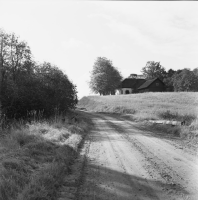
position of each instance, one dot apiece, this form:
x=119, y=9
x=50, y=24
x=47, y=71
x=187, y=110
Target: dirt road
x=124, y=162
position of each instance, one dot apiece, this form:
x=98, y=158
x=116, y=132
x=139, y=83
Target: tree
x=153, y=70
x=170, y=72
x=28, y=86
x=195, y=71
x=105, y=78
x=1, y=66
x=56, y=90
x=168, y=81
x=186, y=80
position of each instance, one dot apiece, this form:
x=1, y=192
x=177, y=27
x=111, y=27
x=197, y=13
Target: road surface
x=127, y=163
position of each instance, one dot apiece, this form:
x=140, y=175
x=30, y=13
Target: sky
x=72, y=34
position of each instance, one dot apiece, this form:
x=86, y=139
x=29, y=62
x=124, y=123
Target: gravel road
x=124, y=162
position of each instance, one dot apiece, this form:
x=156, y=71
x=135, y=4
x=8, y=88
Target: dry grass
x=178, y=106
x=36, y=158
x=145, y=105
x=190, y=132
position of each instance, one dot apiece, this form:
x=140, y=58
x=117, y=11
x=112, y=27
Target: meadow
x=36, y=157
x=179, y=106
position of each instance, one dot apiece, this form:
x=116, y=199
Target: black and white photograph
x=98, y=100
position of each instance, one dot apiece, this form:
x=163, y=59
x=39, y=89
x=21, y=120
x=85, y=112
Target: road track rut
x=124, y=162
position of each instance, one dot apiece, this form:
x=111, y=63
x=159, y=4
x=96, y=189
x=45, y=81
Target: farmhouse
x=136, y=84
x=154, y=85
x=129, y=86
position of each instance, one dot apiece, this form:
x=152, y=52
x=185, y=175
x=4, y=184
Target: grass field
x=145, y=105
x=178, y=106
x=36, y=157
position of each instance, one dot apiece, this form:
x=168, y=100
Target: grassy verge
x=184, y=132
x=35, y=158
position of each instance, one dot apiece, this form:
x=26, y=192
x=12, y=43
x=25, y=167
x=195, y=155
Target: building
x=130, y=85
x=154, y=85
x=134, y=84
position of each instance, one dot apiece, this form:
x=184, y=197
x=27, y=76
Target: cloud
x=101, y=16
x=172, y=41
x=112, y=48
x=133, y=32
x=159, y=27
x=73, y=43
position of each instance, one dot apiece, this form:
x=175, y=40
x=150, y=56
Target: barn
x=130, y=85
x=153, y=85
x=138, y=85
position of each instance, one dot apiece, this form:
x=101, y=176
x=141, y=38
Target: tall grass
x=35, y=158
x=146, y=105
x=179, y=106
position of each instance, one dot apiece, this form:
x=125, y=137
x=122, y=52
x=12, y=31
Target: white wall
x=123, y=91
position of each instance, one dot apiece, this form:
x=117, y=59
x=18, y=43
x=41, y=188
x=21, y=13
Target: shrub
x=168, y=115
x=33, y=87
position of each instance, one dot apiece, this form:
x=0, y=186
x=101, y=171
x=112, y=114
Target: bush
x=168, y=115
x=28, y=86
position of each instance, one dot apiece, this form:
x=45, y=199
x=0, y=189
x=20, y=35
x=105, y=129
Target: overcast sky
x=72, y=35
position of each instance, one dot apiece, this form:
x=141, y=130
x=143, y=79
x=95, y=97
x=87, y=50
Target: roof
x=148, y=83
x=131, y=83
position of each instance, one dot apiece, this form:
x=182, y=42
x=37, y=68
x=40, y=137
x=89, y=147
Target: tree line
x=105, y=78
x=175, y=80
x=27, y=86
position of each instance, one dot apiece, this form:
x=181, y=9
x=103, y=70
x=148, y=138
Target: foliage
x=28, y=86
x=186, y=80
x=153, y=70
x=168, y=80
x=104, y=77
x=169, y=115
x=195, y=71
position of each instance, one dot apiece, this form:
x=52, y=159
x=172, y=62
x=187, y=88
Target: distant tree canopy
x=27, y=86
x=168, y=80
x=104, y=77
x=195, y=71
x=153, y=70
x=186, y=80
x=179, y=80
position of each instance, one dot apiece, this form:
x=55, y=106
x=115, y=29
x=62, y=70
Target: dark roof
x=148, y=83
x=131, y=83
